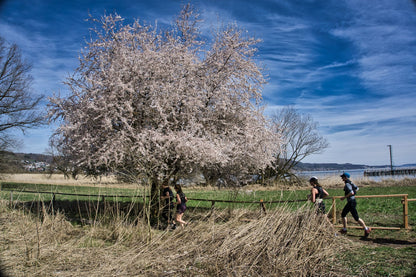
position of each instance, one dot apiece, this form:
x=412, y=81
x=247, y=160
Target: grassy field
x=386, y=211
x=384, y=253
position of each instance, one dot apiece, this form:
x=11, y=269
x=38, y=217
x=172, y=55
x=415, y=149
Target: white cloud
x=369, y=43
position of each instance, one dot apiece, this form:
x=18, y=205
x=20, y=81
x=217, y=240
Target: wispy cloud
x=351, y=64
x=362, y=90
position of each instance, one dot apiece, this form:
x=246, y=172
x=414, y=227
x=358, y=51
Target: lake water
x=355, y=174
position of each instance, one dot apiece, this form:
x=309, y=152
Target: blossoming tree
x=158, y=103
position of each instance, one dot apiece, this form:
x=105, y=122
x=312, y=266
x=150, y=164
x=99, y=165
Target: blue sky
x=350, y=64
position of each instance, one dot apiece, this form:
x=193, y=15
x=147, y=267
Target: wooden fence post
x=334, y=211
x=405, y=212
x=53, y=201
x=262, y=206
x=212, y=206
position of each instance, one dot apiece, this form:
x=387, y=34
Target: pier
x=390, y=172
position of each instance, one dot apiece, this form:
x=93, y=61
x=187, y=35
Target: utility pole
x=391, y=160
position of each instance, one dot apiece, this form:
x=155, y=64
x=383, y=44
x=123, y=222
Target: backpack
x=320, y=192
x=354, y=188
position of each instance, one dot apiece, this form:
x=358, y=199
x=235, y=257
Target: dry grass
x=389, y=182
x=230, y=243
x=112, y=182
x=335, y=182
x=60, y=179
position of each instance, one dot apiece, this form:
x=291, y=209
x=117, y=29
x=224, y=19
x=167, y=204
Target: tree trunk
x=154, y=202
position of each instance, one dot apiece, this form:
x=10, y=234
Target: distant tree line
x=14, y=162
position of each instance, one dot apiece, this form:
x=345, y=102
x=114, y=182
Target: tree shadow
x=83, y=212
x=391, y=241
x=383, y=241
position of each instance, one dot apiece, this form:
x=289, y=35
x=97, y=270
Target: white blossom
x=165, y=100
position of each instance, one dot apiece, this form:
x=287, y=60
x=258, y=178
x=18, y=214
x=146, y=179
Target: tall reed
x=237, y=243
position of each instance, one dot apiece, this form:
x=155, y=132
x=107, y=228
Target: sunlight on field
x=59, y=179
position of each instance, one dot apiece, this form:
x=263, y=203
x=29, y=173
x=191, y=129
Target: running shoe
x=367, y=232
x=343, y=231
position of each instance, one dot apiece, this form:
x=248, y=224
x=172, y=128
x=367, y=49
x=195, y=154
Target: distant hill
x=301, y=166
x=18, y=162
x=31, y=157
x=409, y=165
x=346, y=166
x=329, y=166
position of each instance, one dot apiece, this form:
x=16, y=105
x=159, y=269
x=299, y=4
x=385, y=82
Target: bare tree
x=156, y=103
x=300, y=139
x=17, y=104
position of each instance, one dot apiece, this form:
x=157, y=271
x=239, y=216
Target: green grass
x=385, y=253
x=386, y=212
x=377, y=211
x=252, y=198
x=379, y=261
x=46, y=191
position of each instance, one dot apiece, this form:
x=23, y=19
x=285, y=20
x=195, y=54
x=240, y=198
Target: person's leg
x=179, y=219
x=362, y=223
x=183, y=212
x=354, y=214
x=359, y=220
x=344, y=223
x=170, y=215
x=344, y=213
x=165, y=215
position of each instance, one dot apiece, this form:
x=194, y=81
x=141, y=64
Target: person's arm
x=178, y=199
x=166, y=195
x=325, y=193
x=313, y=194
x=351, y=192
